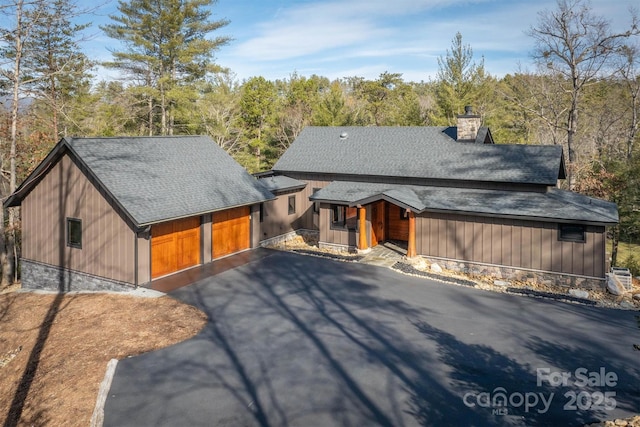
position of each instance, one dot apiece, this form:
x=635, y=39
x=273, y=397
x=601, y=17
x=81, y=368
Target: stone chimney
x=468, y=125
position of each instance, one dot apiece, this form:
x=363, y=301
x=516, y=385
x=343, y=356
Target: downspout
x=135, y=260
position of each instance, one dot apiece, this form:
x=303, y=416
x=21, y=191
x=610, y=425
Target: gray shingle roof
x=281, y=183
x=160, y=178
x=555, y=204
x=417, y=152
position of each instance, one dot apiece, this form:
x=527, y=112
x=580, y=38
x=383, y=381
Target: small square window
x=572, y=233
x=292, y=205
x=74, y=233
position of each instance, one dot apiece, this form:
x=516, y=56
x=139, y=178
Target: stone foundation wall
x=35, y=275
x=338, y=248
x=309, y=237
x=511, y=273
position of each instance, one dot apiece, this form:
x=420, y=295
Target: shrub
x=633, y=265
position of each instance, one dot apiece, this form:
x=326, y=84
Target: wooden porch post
x=362, y=219
x=411, y=245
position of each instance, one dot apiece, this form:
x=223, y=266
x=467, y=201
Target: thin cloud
x=307, y=29
x=307, y=38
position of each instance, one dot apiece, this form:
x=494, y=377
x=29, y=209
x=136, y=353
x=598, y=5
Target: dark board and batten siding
x=509, y=242
x=334, y=236
x=276, y=219
x=108, y=243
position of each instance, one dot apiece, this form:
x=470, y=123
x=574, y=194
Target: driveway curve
x=296, y=340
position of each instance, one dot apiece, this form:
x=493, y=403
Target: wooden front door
x=175, y=245
x=377, y=223
x=231, y=231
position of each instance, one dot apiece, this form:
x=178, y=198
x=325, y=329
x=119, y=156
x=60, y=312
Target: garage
x=175, y=245
x=231, y=231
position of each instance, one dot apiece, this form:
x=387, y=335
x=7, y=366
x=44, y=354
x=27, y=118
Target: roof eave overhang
x=285, y=189
x=387, y=198
x=63, y=147
x=15, y=199
x=146, y=224
x=607, y=223
x=364, y=177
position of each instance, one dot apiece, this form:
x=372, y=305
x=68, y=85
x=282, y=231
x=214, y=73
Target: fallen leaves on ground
x=54, y=348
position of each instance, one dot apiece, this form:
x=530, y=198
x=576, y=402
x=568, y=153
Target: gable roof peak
x=156, y=178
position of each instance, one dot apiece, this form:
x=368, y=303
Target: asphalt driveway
x=297, y=340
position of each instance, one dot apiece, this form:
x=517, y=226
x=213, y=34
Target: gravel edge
x=550, y=295
x=409, y=269
x=349, y=258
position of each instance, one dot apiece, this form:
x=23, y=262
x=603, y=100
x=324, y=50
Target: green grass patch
x=625, y=250
x=628, y=256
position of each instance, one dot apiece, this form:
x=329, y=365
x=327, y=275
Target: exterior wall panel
x=144, y=259
x=398, y=228
x=107, y=241
x=255, y=226
x=514, y=243
x=276, y=218
x=331, y=235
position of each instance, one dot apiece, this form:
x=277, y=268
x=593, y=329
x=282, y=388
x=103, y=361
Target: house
x=450, y=193
x=100, y=213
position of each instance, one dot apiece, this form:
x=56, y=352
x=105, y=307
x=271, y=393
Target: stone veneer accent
x=512, y=273
x=35, y=275
x=309, y=236
x=336, y=247
x=468, y=125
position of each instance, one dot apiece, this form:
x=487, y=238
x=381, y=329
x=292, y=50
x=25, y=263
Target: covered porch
x=383, y=221
x=361, y=217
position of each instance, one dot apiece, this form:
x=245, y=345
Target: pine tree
x=459, y=81
x=58, y=69
x=165, y=48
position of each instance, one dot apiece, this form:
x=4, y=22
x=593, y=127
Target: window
x=344, y=217
x=572, y=233
x=338, y=214
x=261, y=212
x=74, y=233
x=316, y=205
x=292, y=205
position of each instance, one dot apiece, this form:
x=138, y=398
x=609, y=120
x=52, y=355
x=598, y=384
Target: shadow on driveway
x=294, y=340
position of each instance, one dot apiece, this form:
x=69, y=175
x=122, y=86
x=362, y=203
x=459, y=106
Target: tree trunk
x=7, y=251
x=615, y=239
x=163, y=103
x=4, y=262
x=572, y=127
x=163, y=112
x=633, y=128
x=54, y=110
x=150, y=105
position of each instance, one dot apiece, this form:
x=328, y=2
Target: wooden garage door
x=175, y=245
x=231, y=231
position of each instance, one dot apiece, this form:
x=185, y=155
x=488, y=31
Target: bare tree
x=25, y=15
x=630, y=73
x=579, y=46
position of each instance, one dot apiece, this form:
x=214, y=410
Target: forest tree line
x=583, y=94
